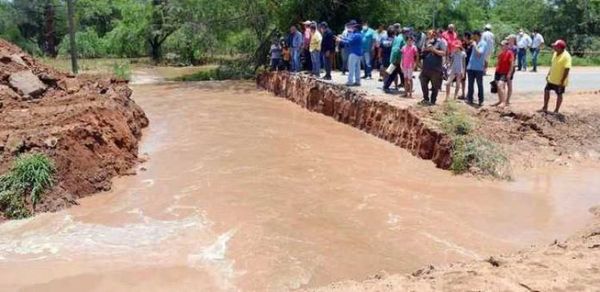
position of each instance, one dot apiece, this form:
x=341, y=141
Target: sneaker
x=356, y=84
x=349, y=84
x=327, y=78
x=369, y=77
x=364, y=77
x=424, y=102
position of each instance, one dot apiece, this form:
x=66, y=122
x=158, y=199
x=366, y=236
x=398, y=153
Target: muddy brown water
x=247, y=192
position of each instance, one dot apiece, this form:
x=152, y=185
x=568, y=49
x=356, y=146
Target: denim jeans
x=522, y=59
x=535, y=52
x=345, y=56
x=295, y=60
x=435, y=78
x=315, y=57
x=366, y=59
x=353, y=69
x=473, y=76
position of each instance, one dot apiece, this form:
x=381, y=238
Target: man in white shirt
x=523, y=43
x=488, y=37
x=537, y=43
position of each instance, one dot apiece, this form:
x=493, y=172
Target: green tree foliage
x=190, y=31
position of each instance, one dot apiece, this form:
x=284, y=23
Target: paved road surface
x=582, y=79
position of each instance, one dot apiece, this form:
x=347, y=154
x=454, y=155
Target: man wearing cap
x=296, y=43
x=537, y=44
x=315, y=50
x=488, y=37
x=327, y=48
x=523, y=44
x=353, y=43
x=558, y=76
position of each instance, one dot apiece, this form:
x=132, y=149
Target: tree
x=73, y=44
x=165, y=19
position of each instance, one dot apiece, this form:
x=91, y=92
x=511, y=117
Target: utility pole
x=73, y=44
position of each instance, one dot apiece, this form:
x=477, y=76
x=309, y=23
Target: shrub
x=30, y=174
x=231, y=71
x=471, y=153
x=122, y=70
x=479, y=156
x=89, y=45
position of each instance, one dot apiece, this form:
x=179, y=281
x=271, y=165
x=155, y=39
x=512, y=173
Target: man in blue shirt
x=296, y=43
x=353, y=43
x=476, y=68
x=368, y=46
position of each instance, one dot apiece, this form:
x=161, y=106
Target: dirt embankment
x=401, y=126
x=89, y=126
x=572, y=265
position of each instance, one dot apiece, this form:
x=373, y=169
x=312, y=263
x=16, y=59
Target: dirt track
x=89, y=126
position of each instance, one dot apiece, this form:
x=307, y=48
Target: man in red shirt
x=451, y=37
x=504, y=68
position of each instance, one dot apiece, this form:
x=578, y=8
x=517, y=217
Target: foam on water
x=68, y=237
x=214, y=256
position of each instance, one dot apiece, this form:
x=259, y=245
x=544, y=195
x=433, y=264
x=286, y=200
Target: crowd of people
x=397, y=52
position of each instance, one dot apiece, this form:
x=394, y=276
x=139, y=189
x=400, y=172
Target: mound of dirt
x=88, y=125
x=537, y=139
x=571, y=265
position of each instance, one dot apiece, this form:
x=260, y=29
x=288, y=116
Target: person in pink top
x=410, y=58
x=451, y=37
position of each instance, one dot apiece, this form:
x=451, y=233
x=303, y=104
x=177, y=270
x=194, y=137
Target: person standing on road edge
x=344, y=51
x=353, y=43
x=307, y=64
x=476, y=68
x=433, y=65
x=296, y=44
x=523, y=43
x=395, y=59
x=368, y=46
x=276, y=54
x=504, y=68
x=315, y=50
x=558, y=76
x=410, y=58
x=512, y=45
x=386, y=51
x=327, y=48
x=458, y=69
x=468, y=49
x=537, y=44
x=490, y=42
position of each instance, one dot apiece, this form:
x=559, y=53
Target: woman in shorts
x=458, y=65
x=410, y=58
x=512, y=45
x=504, y=70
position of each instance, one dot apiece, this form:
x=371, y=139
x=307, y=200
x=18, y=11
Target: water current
x=247, y=192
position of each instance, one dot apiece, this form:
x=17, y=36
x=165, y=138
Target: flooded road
x=246, y=192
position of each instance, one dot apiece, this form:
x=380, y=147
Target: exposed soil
x=88, y=125
x=572, y=265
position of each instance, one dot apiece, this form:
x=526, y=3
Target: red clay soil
x=89, y=126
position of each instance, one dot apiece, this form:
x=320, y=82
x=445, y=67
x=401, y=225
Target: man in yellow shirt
x=558, y=76
x=315, y=50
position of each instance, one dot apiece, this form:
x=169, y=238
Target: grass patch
x=28, y=178
x=470, y=152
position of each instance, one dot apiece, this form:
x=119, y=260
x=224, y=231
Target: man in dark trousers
x=433, y=59
x=327, y=48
